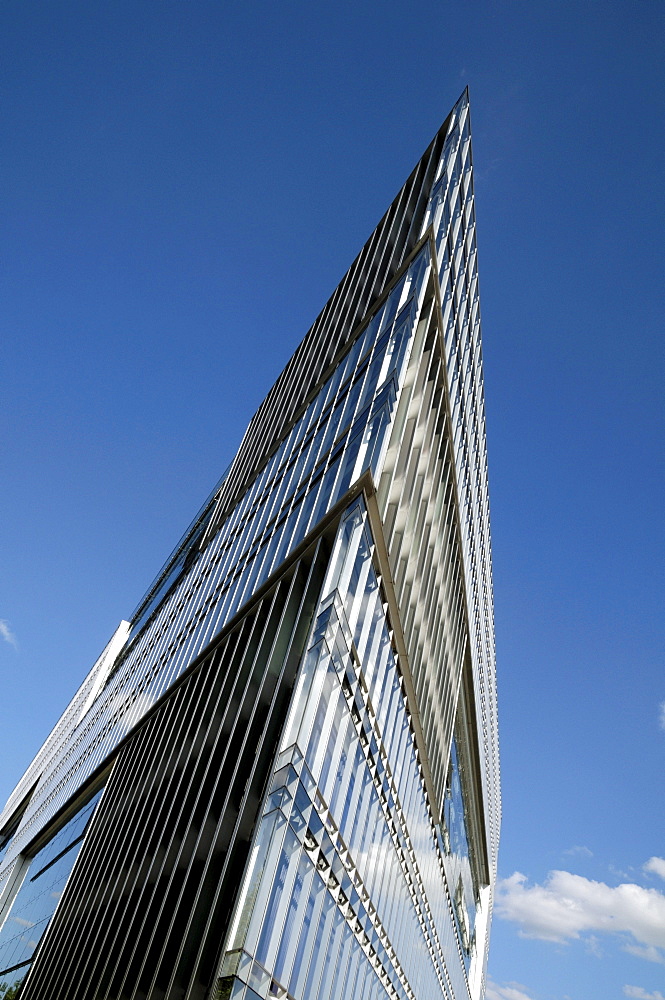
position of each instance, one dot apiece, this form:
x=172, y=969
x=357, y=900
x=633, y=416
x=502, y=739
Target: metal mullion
x=209, y=600
x=213, y=556
x=429, y=459
x=183, y=722
x=313, y=569
x=361, y=274
x=224, y=657
x=161, y=615
x=249, y=452
x=31, y=962
x=214, y=595
x=332, y=316
x=418, y=458
x=325, y=339
x=191, y=644
x=291, y=586
x=421, y=196
x=141, y=686
x=351, y=291
x=386, y=261
x=183, y=793
x=230, y=559
x=246, y=628
x=327, y=937
x=206, y=608
x=275, y=601
x=279, y=401
x=96, y=867
x=157, y=658
x=257, y=565
x=94, y=876
x=50, y=745
x=227, y=536
x=431, y=582
x=416, y=201
x=447, y=412
x=224, y=602
x=357, y=298
x=438, y=620
x=439, y=648
x=399, y=482
x=192, y=612
x=223, y=540
x=403, y=459
x=410, y=486
x=146, y=653
x=425, y=596
x=164, y=646
x=423, y=191
x=340, y=303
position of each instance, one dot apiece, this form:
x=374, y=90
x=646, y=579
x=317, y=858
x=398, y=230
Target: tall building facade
x=280, y=779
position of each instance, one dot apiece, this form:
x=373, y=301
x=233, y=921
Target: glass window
x=457, y=846
x=6, y=839
x=35, y=902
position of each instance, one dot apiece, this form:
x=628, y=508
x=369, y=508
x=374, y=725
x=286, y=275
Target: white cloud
x=655, y=865
x=509, y=991
x=639, y=994
x=648, y=952
x=568, y=906
x=6, y=633
x=579, y=850
x=593, y=946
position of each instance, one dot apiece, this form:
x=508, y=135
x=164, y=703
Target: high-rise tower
x=280, y=779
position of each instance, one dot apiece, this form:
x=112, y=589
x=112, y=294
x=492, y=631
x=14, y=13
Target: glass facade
x=43, y=878
x=457, y=854
x=345, y=891
x=451, y=213
x=340, y=434
x=364, y=824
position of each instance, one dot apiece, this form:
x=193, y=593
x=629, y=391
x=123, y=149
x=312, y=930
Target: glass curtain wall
x=43, y=880
x=451, y=213
x=358, y=884
x=342, y=432
x=345, y=893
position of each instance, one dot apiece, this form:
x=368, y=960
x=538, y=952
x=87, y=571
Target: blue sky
x=183, y=186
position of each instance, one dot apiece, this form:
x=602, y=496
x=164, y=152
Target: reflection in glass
x=349, y=897
x=38, y=897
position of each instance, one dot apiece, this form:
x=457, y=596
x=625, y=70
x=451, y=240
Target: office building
x=280, y=778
